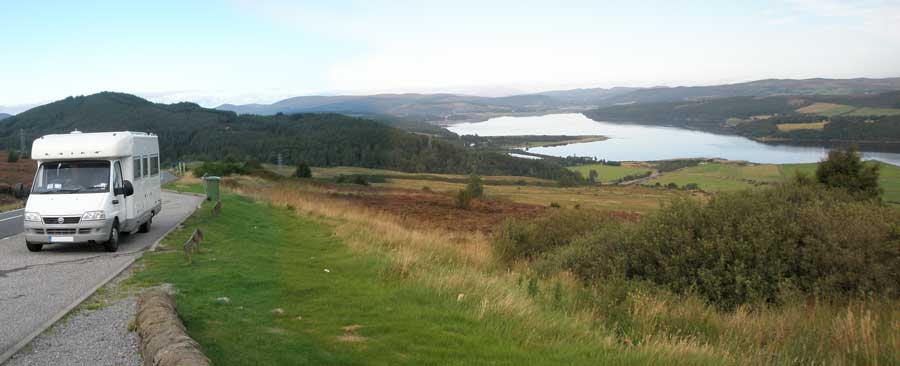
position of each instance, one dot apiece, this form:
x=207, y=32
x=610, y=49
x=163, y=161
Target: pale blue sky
x=213, y=52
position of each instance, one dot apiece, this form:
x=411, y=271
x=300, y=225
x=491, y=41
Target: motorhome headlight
x=93, y=216
x=32, y=216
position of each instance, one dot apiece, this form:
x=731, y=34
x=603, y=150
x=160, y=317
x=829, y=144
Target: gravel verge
x=98, y=332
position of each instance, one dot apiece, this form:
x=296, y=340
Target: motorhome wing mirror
x=20, y=191
x=128, y=189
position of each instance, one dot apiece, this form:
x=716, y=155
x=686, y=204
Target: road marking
x=10, y=218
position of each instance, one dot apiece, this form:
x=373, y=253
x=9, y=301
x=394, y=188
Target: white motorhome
x=89, y=187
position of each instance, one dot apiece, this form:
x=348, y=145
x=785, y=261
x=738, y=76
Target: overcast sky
x=214, y=52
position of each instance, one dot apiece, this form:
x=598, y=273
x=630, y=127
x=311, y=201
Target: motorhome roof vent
x=75, y=132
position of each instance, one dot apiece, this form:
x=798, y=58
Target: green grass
x=609, y=173
x=263, y=257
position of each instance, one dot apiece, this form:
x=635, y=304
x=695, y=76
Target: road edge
x=46, y=325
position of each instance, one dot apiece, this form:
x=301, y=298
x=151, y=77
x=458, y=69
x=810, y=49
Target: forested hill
x=4, y=116
x=189, y=132
x=812, y=118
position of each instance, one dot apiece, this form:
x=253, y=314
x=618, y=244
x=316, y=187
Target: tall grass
x=654, y=324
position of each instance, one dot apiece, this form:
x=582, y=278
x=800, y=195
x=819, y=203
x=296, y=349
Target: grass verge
x=310, y=290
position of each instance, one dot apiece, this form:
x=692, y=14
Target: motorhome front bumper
x=80, y=232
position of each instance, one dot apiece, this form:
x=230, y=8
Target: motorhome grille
x=66, y=220
x=60, y=231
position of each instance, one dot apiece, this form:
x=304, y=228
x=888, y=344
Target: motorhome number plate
x=61, y=239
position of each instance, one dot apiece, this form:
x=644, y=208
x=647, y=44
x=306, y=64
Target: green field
x=609, y=173
x=867, y=111
x=719, y=177
x=341, y=307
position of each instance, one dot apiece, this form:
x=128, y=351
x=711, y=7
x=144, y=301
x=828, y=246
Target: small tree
x=12, y=157
x=303, y=171
x=592, y=176
x=475, y=186
x=844, y=169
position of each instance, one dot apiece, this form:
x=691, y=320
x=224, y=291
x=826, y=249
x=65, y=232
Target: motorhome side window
x=146, y=166
x=137, y=167
x=72, y=177
x=117, y=174
x=154, y=165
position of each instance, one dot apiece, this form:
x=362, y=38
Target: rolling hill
x=416, y=108
x=759, y=88
x=4, y=116
x=189, y=132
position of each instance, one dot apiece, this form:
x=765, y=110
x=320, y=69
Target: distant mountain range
x=452, y=107
x=4, y=116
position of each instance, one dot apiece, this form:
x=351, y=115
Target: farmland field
x=867, y=111
x=787, y=127
x=609, y=173
x=716, y=177
x=826, y=109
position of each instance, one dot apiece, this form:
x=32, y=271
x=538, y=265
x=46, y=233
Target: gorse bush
x=744, y=247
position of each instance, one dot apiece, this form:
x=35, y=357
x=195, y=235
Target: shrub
x=12, y=157
x=691, y=186
x=463, y=199
x=516, y=239
x=844, y=169
x=475, y=186
x=592, y=176
x=352, y=179
x=751, y=246
x=303, y=171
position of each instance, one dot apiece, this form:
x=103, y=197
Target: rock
x=327, y=270
x=278, y=311
x=223, y=300
x=460, y=297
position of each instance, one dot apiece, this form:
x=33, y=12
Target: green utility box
x=211, y=187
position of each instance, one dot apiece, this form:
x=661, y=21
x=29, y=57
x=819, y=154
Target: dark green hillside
x=870, y=118
x=189, y=132
x=4, y=116
x=708, y=115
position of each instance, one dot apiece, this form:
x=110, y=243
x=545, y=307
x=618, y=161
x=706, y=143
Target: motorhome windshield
x=72, y=177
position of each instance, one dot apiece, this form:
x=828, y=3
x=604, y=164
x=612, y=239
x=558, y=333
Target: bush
x=844, y=169
x=12, y=156
x=475, y=186
x=303, y=171
x=463, y=199
x=691, y=186
x=516, y=239
x=352, y=179
x=747, y=247
x=221, y=169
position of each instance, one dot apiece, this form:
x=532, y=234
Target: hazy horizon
x=239, y=52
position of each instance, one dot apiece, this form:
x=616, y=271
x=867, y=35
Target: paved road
x=11, y=222
x=36, y=287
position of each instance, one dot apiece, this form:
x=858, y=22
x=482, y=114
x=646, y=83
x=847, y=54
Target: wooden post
x=216, y=208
